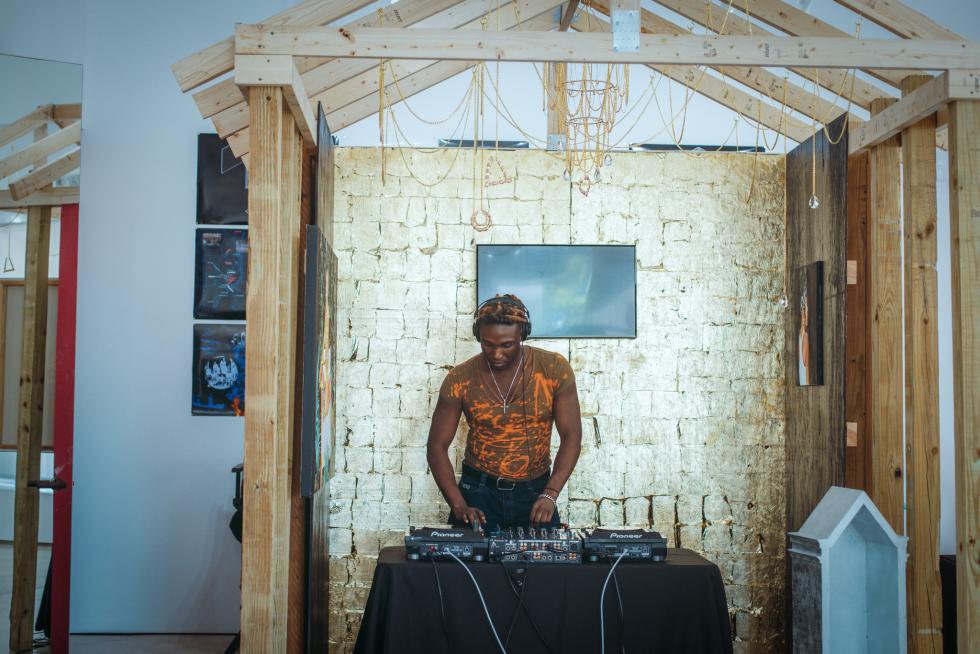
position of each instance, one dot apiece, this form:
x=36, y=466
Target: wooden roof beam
x=50, y=196
x=65, y=114
x=835, y=81
x=25, y=124
x=901, y=19
x=225, y=94
x=45, y=175
x=920, y=103
x=723, y=93
x=796, y=22
x=757, y=78
x=567, y=15
x=279, y=70
x=219, y=58
x=787, y=52
x=41, y=149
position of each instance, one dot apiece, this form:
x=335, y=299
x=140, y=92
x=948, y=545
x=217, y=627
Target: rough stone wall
x=683, y=426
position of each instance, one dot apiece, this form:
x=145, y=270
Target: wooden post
x=555, y=97
x=885, y=301
x=921, y=379
x=270, y=359
x=964, y=213
x=30, y=423
x=857, y=455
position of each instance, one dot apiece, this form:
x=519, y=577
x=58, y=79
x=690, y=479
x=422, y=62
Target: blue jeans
x=505, y=504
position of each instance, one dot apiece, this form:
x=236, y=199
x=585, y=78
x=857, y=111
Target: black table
x=674, y=607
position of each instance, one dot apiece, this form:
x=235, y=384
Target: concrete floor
x=102, y=644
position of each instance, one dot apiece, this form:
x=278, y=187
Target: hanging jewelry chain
x=503, y=398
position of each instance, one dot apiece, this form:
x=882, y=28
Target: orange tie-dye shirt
x=516, y=444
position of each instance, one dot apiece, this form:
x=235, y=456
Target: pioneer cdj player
x=630, y=544
x=438, y=543
x=541, y=545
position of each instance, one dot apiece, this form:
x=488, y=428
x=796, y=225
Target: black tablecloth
x=675, y=607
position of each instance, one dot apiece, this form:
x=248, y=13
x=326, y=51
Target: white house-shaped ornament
x=848, y=576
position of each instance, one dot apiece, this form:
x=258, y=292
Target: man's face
x=501, y=344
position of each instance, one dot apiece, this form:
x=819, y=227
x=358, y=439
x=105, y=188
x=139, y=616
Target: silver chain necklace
x=503, y=398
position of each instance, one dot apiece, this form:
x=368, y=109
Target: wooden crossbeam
x=47, y=146
x=45, y=175
x=219, y=58
x=836, y=81
x=65, y=114
x=757, y=78
x=900, y=19
x=920, y=103
x=25, y=124
x=789, y=52
x=567, y=15
x=52, y=196
x=723, y=93
x=225, y=94
x=279, y=70
x=319, y=80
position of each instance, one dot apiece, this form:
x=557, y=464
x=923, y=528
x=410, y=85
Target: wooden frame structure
x=279, y=70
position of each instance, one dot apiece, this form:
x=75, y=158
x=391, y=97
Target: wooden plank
x=857, y=459
x=556, y=101
x=45, y=175
x=921, y=379
x=568, y=15
x=926, y=100
x=299, y=104
x=219, y=58
x=65, y=114
x=25, y=124
x=964, y=211
x=759, y=79
x=52, y=196
x=30, y=421
x=885, y=324
x=718, y=20
x=274, y=187
x=796, y=22
x=40, y=150
x=815, y=423
x=40, y=133
x=809, y=52
x=900, y=19
x=225, y=94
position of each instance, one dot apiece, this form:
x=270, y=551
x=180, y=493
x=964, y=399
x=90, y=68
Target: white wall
x=152, y=552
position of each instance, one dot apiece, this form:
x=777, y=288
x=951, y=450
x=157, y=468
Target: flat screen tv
x=571, y=291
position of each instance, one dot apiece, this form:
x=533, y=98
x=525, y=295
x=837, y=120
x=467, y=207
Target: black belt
x=499, y=482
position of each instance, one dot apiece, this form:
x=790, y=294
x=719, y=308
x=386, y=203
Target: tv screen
x=571, y=291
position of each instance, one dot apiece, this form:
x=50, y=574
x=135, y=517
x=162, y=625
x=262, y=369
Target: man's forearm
x=565, y=459
x=445, y=476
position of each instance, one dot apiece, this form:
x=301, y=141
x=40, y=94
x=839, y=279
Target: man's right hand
x=469, y=514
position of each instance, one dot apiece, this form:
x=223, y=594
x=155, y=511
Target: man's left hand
x=542, y=510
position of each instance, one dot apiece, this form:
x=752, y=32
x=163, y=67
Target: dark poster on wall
x=222, y=183
x=807, y=294
x=218, y=370
x=220, y=273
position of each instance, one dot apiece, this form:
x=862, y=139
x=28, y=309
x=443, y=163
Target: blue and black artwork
x=221, y=274
x=219, y=370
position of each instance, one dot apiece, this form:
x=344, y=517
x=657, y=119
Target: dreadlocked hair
x=502, y=310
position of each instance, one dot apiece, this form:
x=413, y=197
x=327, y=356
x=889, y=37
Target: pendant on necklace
x=505, y=407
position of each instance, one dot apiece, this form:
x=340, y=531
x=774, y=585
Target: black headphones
x=525, y=326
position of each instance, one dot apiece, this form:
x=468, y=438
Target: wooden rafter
x=219, y=58
x=567, y=15
x=901, y=19
x=25, y=124
x=51, y=196
x=318, y=73
x=796, y=22
x=65, y=114
x=836, y=81
x=45, y=175
x=757, y=78
x=789, y=52
x=917, y=105
x=45, y=147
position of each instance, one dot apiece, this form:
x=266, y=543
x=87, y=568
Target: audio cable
x=602, y=599
x=442, y=605
x=522, y=605
x=479, y=592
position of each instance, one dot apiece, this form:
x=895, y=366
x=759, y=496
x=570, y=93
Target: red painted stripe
x=64, y=423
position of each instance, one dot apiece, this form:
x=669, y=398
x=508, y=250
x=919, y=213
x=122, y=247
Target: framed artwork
x=319, y=361
x=220, y=273
x=807, y=301
x=222, y=183
x=218, y=370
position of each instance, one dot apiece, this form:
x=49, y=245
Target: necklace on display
x=503, y=397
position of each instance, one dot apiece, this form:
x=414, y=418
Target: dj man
x=511, y=394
